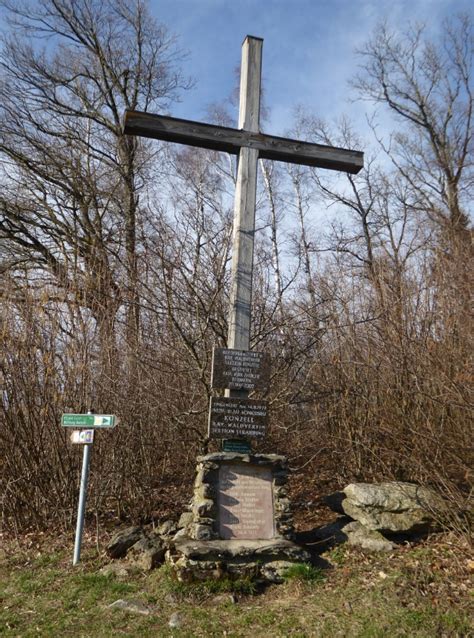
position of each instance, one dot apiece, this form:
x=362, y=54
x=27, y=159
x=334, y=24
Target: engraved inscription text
x=245, y=502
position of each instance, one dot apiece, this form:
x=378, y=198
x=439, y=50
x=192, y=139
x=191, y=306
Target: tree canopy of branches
x=428, y=86
x=72, y=180
x=115, y=256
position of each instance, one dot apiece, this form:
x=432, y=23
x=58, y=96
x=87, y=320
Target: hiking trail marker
x=85, y=437
x=88, y=420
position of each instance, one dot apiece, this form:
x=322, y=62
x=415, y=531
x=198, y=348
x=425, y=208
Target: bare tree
x=428, y=87
x=72, y=179
x=270, y=178
x=187, y=254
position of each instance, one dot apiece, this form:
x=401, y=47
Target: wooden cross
x=249, y=144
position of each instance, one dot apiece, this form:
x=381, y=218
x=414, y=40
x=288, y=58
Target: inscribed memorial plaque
x=245, y=502
x=234, y=418
x=240, y=369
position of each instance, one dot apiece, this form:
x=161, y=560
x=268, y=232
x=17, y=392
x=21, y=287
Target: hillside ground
x=420, y=589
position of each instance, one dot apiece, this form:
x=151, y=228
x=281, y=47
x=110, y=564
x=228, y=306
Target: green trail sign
x=89, y=420
x=240, y=446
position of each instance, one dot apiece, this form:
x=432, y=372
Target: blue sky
x=308, y=50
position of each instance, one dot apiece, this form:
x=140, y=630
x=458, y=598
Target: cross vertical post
x=249, y=144
x=245, y=198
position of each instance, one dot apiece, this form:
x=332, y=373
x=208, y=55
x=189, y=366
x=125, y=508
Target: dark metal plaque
x=240, y=369
x=245, y=502
x=235, y=418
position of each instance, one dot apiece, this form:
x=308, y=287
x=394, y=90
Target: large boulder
x=123, y=540
x=147, y=553
x=359, y=536
x=393, y=507
x=166, y=530
x=144, y=550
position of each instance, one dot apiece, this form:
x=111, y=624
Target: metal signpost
x=86, y=438
x=88, y=420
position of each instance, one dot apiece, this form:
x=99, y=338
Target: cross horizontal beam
x=230, y=140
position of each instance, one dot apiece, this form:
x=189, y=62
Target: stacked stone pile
x=378, y=510
x=372, y=516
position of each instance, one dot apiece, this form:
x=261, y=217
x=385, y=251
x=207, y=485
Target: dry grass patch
x=418, y=591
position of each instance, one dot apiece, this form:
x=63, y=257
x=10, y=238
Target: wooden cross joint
x=249, y=144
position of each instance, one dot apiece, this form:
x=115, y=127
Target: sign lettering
x=240, y=369
x=245, y=502
x=88, y=420
x=234, y=418
x=82, y=437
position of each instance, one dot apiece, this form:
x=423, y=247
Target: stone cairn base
x=199, y=552
x=260, y=561
x=384, y=513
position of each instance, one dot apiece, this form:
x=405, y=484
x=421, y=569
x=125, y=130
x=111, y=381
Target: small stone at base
x=132, y=606
x=175, y=620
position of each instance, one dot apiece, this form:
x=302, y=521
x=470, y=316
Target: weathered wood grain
x=230, y=140
x=245, y=198
x=249, y=144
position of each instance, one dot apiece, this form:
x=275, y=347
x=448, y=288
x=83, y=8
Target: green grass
x=41, y=594
x=304, y=573
x=337, y=555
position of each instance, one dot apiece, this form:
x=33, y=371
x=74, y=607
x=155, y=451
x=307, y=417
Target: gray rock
x=132, y=606
x=203, y=532
x=123, y=540
x=176, y=620
x=185, y=520
x=360, y=536
x=181, y=534
x=274, y=571
x=166, y=529
x=224, y=599
x=260, y=560
x=210, y=460
x=147, y=553
x=204, y=507
x=218, y=550
x=283, y=504
x=393, y=506
x=115, y=569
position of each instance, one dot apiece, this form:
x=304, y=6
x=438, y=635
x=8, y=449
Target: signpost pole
x=85, y=437
x=82, y=503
